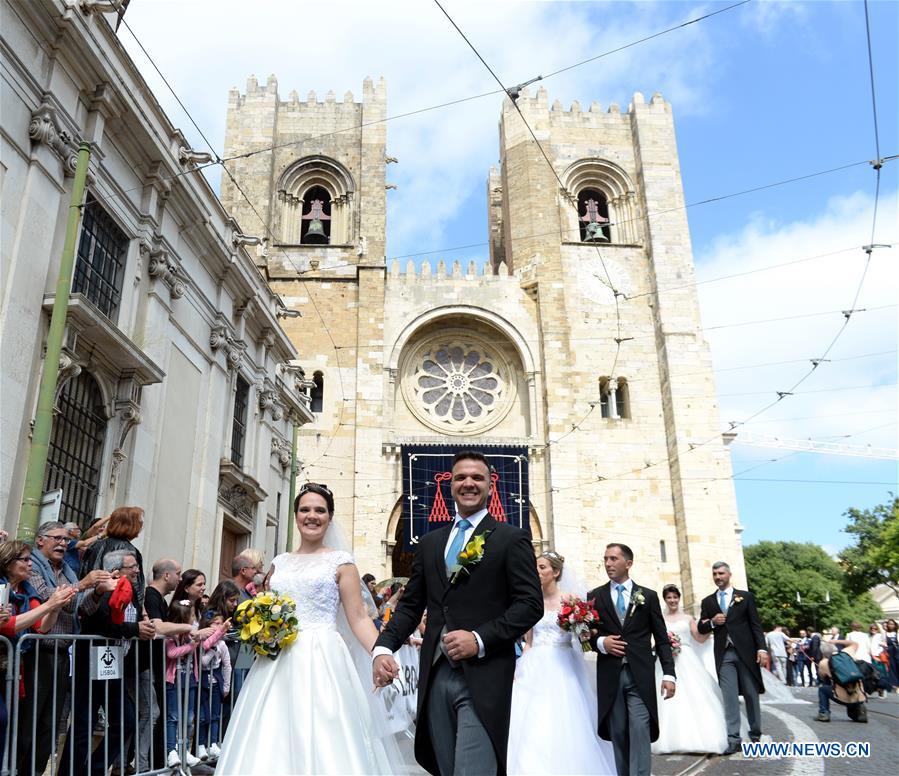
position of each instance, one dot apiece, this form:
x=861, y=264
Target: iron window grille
x=239, y=426
x=100, y=265
x=76, y=449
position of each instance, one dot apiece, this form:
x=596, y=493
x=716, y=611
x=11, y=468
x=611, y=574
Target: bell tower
x=315, y=173
x=599, y=239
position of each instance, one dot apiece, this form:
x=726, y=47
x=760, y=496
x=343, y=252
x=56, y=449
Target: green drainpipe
x=43, y=416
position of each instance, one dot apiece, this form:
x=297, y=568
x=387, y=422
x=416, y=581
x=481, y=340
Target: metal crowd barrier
x=6, y=663
x=92, y=703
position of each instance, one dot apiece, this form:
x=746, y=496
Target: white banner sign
x=106, y=662
x=400, y=699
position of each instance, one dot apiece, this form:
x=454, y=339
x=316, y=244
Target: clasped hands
x=459, y=644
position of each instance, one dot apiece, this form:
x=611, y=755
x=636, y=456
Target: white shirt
x=474, y=519
x=864, y=645
x=628, y=589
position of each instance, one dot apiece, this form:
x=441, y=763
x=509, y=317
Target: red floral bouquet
x=578, y=617
x=674, y=640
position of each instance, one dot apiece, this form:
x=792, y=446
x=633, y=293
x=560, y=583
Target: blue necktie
x=620, y=606
x=457, y=544
x=722, y=598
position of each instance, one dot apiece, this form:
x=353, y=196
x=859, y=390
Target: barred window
x=76, y=449
x=239, y=427
x=99, y=267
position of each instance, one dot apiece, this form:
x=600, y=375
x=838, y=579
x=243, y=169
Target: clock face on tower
x=597, y=281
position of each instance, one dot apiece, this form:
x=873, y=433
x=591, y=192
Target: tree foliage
x=778, y=570
x=873, y=559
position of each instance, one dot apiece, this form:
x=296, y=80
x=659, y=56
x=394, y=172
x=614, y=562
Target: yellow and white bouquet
x=268, y=622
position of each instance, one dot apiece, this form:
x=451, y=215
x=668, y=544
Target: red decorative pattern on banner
x=439, y=512
x=495, y=510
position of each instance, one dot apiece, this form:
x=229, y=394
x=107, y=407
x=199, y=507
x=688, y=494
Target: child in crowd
x=215, y=684
x=182, y=675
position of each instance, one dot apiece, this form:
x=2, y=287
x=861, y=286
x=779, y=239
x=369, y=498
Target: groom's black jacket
x=643, y=620
x=500, y=599
x=742, y=626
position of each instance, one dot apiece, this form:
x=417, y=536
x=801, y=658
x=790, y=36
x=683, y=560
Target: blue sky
x=761, y=93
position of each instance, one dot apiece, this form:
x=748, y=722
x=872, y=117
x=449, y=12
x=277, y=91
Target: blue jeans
x=825, y=694
x=210, y=706
x=173, y=704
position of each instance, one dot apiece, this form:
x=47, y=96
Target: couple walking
x=475, y=616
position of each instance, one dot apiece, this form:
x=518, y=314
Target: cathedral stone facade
x=578, y=346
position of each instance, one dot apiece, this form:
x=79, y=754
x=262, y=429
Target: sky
x=762, y=93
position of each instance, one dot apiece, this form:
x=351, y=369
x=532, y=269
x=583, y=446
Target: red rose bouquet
x=578, y=617
x=674, y=640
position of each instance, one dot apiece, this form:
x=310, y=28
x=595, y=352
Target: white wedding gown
x=306, y=711
x=693, y=720
x=553, y=722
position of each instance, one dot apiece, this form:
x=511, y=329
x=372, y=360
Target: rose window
x=458, y=385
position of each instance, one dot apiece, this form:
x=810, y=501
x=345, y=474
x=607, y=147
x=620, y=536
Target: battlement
x=268, y=94
x=451, y=272
x=537, y=105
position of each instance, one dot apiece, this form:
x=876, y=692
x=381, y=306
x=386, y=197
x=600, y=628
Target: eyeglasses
x=57, y=539
x=24, y=558
x=130, y=566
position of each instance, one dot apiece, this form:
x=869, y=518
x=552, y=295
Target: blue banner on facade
x=428, y=504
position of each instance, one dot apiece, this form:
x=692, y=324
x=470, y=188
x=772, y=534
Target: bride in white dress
x=552, y=728
x=307, y=711
x=693, y=720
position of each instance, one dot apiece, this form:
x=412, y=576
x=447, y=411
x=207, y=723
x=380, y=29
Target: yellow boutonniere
x=471, y=554
x=737, y=599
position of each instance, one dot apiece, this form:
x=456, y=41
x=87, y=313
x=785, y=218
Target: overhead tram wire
x=450, y=103
x=562, y=187
x=221, y=162
x=697, y=203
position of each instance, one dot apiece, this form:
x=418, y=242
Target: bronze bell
x=594, y=233
x=315, y=232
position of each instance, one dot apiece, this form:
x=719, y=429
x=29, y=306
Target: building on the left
x=178, y=388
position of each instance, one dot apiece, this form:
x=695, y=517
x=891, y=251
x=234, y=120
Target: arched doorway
x=401, y=561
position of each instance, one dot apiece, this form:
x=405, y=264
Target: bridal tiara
x=311, y=487
x=553, y=554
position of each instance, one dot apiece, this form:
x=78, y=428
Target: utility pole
x=43, y=416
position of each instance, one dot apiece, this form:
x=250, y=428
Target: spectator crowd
x=177, y=653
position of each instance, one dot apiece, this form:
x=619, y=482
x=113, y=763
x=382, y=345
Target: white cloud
x=206, y=48
x=825, y=284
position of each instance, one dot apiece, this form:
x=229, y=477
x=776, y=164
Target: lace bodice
x=311, y=581
x=548, y=633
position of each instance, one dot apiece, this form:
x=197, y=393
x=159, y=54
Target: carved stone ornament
x=44, y=129
x=238, y=498
x=267, y=401
x=68, y=368
x=129, y=416
x=282, y=449
x=163, y=267
x=220, y=337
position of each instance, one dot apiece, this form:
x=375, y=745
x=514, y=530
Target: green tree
x=874, y=557
x=778, y=570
